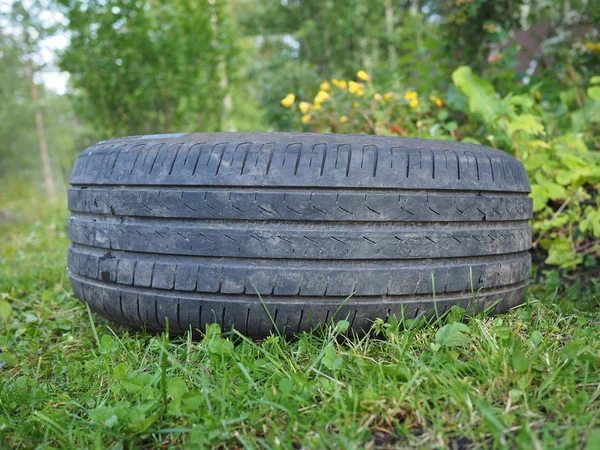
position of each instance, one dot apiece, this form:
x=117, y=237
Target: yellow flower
x=305, y=107
x=343, y=119
x=389, y=96
x=321, y=97
x=438, y=101
x=288, y=100
x=362, y=75
x=355, y=105
x=355, y=87
x=593, y=46
x=414, y=103
x=325, y=86
x=411, y=95
x=378, y=97
x=340, y=83
x=306, y=118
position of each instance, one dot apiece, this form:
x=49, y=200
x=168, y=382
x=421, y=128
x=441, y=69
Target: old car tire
x=190, y=228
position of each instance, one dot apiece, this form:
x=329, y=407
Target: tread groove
x=202, y=145
x=175, y=158
x=271, y=152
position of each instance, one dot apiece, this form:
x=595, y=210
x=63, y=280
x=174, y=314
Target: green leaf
x=215, y=343
x=213, y=329
x=519, y=361
x=536, y=338
x=595, y=79
x=176, y=388
x=134, y=384
x=591, y=222
x=193, y=400
x=556, y=191
x=565, y=177
x=521, y=100
x=120, y=371
x=331, y=360
x=105, y=416
x=342, y=326
x=5, y=310
x=220, y=346
x=481, y=94
x=534, y=162
x=573, y=161
x=527, y=123
x=515, y=395
x=108, y=344
x=452, y=335
x=503, y=331
x=286, y=385
x=540, y=197
x=138, y=422
x=594, y=92
x=450, y=126
x=561, y=253
x=572, y=142
x=572, y=348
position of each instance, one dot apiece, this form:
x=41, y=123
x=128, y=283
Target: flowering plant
x=356, y=106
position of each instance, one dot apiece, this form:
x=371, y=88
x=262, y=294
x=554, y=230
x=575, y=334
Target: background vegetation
x=519, y=75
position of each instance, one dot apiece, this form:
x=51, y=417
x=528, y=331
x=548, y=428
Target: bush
x=556, y=141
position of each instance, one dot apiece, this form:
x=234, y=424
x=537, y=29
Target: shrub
x=556, y=142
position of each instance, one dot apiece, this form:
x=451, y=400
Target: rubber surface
x=192, y=227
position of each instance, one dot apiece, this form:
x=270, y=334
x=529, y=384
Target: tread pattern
x=191, y=227
x=285, y=240
x=300, y=205
x=151, y=308
x=298, y=278
x=290, y=159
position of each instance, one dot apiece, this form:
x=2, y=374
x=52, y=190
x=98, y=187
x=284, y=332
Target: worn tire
x=188, y=228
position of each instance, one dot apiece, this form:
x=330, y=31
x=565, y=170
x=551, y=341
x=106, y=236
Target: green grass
x=70, y=379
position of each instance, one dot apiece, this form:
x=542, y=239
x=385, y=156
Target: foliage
x=14, y=88
x=139, y=67
x=564, y=172
x=525, y=379
x=555, y=148
x=509, y=41
x=300, y=42
x=19, y=152
x=415, y=42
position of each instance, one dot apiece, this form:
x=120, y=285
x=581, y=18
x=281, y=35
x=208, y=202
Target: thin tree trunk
x=39, y=123
x=389, y=28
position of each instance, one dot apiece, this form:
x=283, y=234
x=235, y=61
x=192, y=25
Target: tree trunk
x=389, y=28
x=39, y=123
